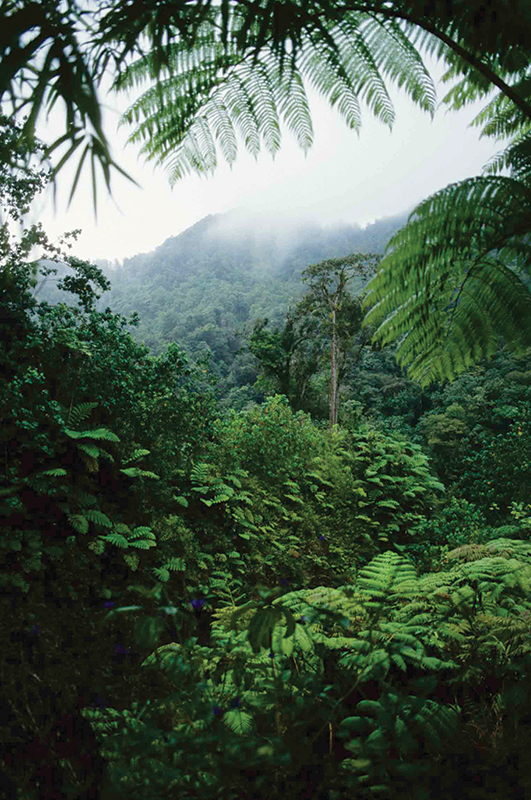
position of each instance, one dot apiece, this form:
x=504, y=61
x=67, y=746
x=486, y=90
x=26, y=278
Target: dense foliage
x=202, y=601
x=241, y=602
x=207, y=288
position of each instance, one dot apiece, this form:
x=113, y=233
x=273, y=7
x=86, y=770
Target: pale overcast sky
x=344, y=178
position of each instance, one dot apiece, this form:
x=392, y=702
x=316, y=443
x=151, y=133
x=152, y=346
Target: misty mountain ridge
x=206, y=288
x=257, y=243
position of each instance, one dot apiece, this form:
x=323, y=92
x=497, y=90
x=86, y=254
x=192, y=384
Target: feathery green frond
x=136, y=472
x=238, y=721
x=136, y=455
x=96, y=433
x=89, y=449
x=79, y=523
x=116, y=539
x=453, y=279
x=55, y=472
x=386, y=572
x=78, y=413
x=98, y=518
x=208, y=97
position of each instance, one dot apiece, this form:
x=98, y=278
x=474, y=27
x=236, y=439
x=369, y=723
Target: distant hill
x=258, y=243
x=207, y=286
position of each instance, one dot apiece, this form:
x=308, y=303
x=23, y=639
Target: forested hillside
x=305, y=574
x=206, y=288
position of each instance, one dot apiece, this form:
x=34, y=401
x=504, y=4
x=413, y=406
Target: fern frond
x=91, y=450
x=96, y=433
x=79, y=523
x=136, y=454
x=77, y=414
x=132, y=560
x=162, y=574
x=98, y=518
x=200, y=473
x=385, y=574
x=450, y=283
x=238, y=721
x=209, y=96
x=469, y=552
x=55, y=472
x=135, y=472
x=115, y=538
x=121, y=527
x=85, y=499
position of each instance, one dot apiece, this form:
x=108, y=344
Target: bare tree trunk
x=333, y=403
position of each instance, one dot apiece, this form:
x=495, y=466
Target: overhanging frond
x=209, y=96
x=453, y=279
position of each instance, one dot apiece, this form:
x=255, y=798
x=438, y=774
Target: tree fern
x=77, y=414
x=163, y=573
x=55, y=472
x=96, y=433
x=136, y=472
x=347, y=51
x=117, y=539
x=384, y=575
x=98, y=518
x=500, y=118
x=136, y=454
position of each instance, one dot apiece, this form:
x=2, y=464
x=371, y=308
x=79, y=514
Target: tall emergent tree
x=328, y=298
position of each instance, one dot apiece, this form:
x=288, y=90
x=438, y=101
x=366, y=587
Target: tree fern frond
x=238, y=721
x=136, y=472
x=162, y=574
x=115, y=538
x=85, y=499
x=501, y=118
x=121, y=527
x=89, y=449
x=210, y=93
x=77, y=414
x=384, y=574
x=176, y=564
x=200, y=472
x=469, y=552
x=521, y=550
x=142, y=544
x=54, y=472
x=136, y=454
x=449, y=285
x=79, y=523
x=398, y=61
x=516, y=158
x=143, y=531
x=132, y=560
